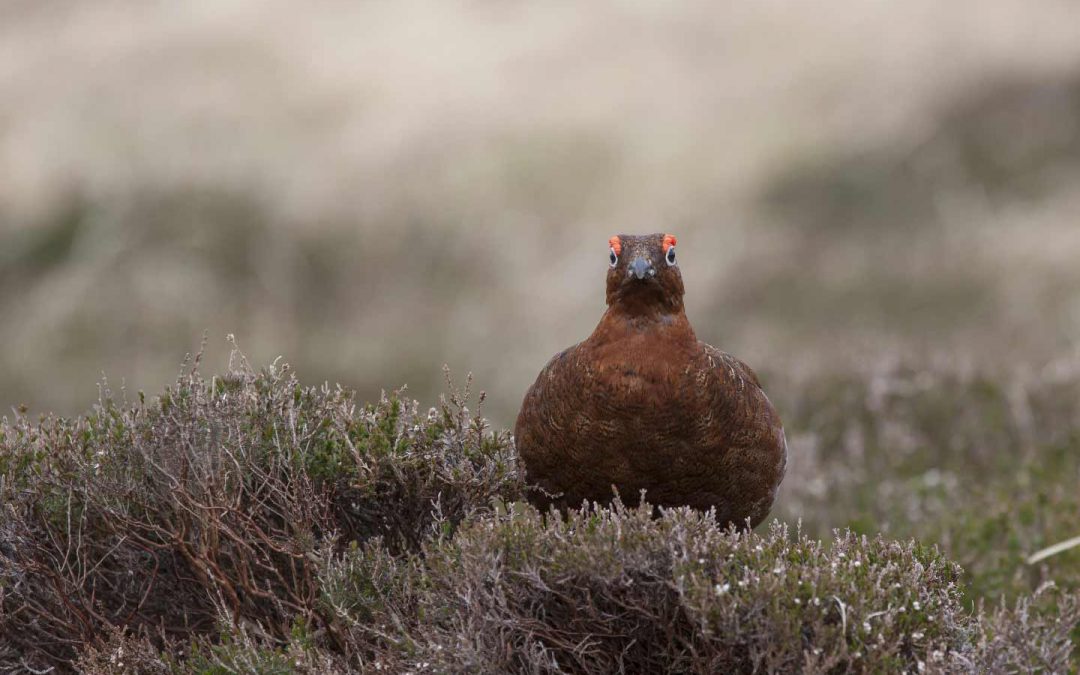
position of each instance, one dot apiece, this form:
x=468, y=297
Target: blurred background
x=372, y=189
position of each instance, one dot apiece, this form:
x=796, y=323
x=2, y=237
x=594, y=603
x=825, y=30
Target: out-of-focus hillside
x=375, y=189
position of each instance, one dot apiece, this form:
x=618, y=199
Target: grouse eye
x=670, y=257
x=614, y=257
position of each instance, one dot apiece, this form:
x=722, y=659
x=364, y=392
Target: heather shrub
x=1037, y=634
x=210, y=502
x=247, y=523
x=984, y=465
x=617, y=590
x=117, y=652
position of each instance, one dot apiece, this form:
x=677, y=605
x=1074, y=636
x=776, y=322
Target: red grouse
x=642, y=404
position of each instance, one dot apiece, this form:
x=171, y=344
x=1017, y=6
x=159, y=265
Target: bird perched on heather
x=642, y=404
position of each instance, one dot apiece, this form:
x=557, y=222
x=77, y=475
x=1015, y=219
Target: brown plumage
x=643, y=405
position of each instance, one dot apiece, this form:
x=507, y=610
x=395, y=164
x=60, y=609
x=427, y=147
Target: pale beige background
x=374, y=189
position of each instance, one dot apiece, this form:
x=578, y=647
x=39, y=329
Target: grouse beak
x=641, y=268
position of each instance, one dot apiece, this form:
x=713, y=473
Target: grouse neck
x=671, y=322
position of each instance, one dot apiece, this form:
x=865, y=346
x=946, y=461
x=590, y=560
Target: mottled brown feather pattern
x=642, y=404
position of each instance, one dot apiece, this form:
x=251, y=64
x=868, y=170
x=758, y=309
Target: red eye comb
x=669, y=241
x=615, y=244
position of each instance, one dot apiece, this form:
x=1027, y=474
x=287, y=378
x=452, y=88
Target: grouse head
x=643, y=275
